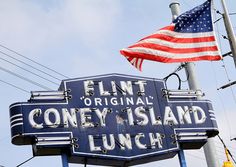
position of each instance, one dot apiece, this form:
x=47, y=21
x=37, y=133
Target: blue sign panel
x=113, y=120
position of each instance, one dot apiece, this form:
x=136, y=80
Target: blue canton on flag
x=196, y=20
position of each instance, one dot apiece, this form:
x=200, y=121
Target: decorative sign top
x=113, y=119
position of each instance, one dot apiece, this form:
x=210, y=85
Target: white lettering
x=129, y=101
x=56, y=115
x=199, y=110
x=114, y=101
x=154, y=140
x=169, y=117
x=126, y=87
x=92, y=144
x=102, y=91
x=141, y=85
x=147, y=101
x=85, y=118
x=130, y=116
x=125, y=141
x=69, y=117
x=88, y=88
x=105, y=142
x=35, y=112
x=139, y=101
x=140, y=113
x=102, y=115
x=138, y=143
x=184, y=115
x=98, y=101
x=87, y=101
x=154, y=120
x=114, y=90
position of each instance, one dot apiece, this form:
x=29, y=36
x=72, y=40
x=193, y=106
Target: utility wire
x=33, y=61
x=29, y=71
x=227, y=75
x=25, y=162
x=29, y=65
x=17, y=87
x=221, y=100
x=227, y=149
x=26, y=79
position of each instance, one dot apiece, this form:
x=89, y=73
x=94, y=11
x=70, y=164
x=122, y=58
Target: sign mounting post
x=209, y=147
x=182, y=158
x=64, y=160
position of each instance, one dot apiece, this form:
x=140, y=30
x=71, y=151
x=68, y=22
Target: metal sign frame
x=53, y=139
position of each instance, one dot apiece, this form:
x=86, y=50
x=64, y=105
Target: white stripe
x=42, y=139
x=139, y=63
x=211, y=111
x=212, y=115
x=185, y=35
x=19, y=119
x=171, y=55
x=18, y=124
x=193, y=138
x=17, y=115
x=53, y=143
x=177, y=45
x=133, y=60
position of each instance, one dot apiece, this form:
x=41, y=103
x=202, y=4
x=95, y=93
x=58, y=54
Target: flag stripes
x=182, y=41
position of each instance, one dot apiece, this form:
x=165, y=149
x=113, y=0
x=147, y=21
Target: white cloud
x=28, y=25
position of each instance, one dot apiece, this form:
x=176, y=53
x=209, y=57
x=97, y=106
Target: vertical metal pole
x=64, y=160
x=209, y=147
x=229, y=30
x=182, y=160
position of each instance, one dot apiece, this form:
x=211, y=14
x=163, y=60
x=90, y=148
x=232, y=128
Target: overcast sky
x=82, y=38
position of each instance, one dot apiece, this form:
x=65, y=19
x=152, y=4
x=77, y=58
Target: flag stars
x=196, y=20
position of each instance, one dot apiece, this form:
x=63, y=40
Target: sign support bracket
x=64, y=160
x=182, y=160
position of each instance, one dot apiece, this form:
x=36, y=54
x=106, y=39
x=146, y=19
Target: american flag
x=190, y=37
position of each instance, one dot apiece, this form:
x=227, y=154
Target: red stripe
x=180, y=40
x=170, y=27
x=169, y=60
x=174, y=50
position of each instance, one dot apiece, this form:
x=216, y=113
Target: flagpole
x=209, y=147
x=229, y=30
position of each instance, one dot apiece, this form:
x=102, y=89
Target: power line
x=33, y=61
x=25, y=162
x=17, y=87
x=26, y=79
x=227, y=149
x=28, y=71
x=29, y=65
